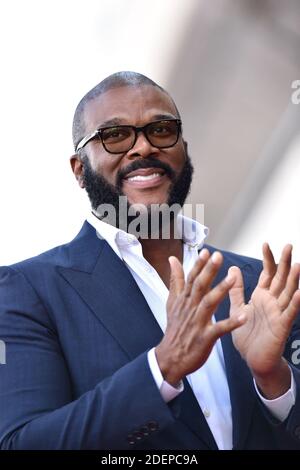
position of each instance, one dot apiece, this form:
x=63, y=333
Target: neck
x=157, y=252
x=162, y=249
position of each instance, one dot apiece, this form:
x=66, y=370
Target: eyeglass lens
x=160, y=134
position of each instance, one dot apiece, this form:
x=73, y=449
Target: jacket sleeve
x=37, y=409
x=287, y=433
x=292, y=354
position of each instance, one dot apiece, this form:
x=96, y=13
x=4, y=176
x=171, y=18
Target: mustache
x=145, y=163
x=101, y=191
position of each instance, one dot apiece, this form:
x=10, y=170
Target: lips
x=144, y=173
x=145, y=177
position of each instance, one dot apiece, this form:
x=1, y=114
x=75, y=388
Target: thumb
x=177, y=280
x=236, y=293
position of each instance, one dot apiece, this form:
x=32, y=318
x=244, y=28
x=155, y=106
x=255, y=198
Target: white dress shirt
x=209, y=383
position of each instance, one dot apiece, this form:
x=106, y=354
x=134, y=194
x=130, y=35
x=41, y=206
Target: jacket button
x=130, y=439
x=137, y=435
x=144, y=430
x=297, y=432
x=152, y=426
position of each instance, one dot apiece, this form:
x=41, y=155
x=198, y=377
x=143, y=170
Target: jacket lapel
x=106, y=285
x=113, y=295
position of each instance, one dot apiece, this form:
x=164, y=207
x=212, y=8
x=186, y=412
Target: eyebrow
x=120, y=121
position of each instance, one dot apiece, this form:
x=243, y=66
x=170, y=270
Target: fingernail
x=215, y=257
x=203, y=253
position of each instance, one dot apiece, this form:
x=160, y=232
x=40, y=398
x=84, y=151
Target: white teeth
x=143, y=177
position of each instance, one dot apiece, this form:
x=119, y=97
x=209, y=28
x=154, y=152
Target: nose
x=142, y=147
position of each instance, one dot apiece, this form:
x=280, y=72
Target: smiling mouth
x=145, y=177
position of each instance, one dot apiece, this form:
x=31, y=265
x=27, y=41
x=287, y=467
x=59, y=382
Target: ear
x=77, y=168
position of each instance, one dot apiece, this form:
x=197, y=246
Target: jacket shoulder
x=245, y=263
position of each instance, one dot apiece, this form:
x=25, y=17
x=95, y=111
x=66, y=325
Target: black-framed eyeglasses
x=121, y=138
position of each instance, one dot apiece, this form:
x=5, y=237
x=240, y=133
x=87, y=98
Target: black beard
x=100, y=191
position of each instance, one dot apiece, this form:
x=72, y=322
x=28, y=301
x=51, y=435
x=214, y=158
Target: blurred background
x=229, y=65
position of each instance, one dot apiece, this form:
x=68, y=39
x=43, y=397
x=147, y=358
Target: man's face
x=134, y=106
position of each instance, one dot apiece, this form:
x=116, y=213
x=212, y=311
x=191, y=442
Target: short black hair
x=116, y=80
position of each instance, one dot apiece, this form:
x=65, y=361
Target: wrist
x=168, y=369
x=275, y=382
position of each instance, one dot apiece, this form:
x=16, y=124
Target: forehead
x=129, y=105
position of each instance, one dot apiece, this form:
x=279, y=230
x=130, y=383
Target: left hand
x=273, y=307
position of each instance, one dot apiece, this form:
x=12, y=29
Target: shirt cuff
x=281, y=406
x=167, y=391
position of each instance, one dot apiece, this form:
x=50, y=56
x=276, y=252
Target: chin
x=148, y=202
x=153, y=197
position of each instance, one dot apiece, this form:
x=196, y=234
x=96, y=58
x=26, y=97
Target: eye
x=115, y=134
x=163, y=128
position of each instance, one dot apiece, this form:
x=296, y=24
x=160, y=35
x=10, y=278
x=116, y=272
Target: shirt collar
x=193, y=233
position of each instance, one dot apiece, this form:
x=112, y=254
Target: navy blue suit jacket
x=77, y=330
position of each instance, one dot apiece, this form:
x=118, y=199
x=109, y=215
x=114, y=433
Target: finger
x=227, y=326
x=177, y=277
x=269, y=267
x=202, y=283
x=292, y=285
x=279, y=280
x=212, y=299
x=236, y=293
x=290, y=314
x=197, y=268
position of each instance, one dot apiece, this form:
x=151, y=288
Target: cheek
x=178, y=159
x=105, y=166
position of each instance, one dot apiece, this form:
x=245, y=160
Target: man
x=116, y=341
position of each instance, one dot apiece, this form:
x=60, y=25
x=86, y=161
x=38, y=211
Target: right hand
x=190, y=334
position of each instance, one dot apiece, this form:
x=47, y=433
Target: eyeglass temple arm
x=85, y=140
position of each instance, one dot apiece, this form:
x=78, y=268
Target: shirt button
x=206, y=413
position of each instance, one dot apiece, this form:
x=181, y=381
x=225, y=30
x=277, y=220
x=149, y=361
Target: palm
x=264, y=334
x=270, y=313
